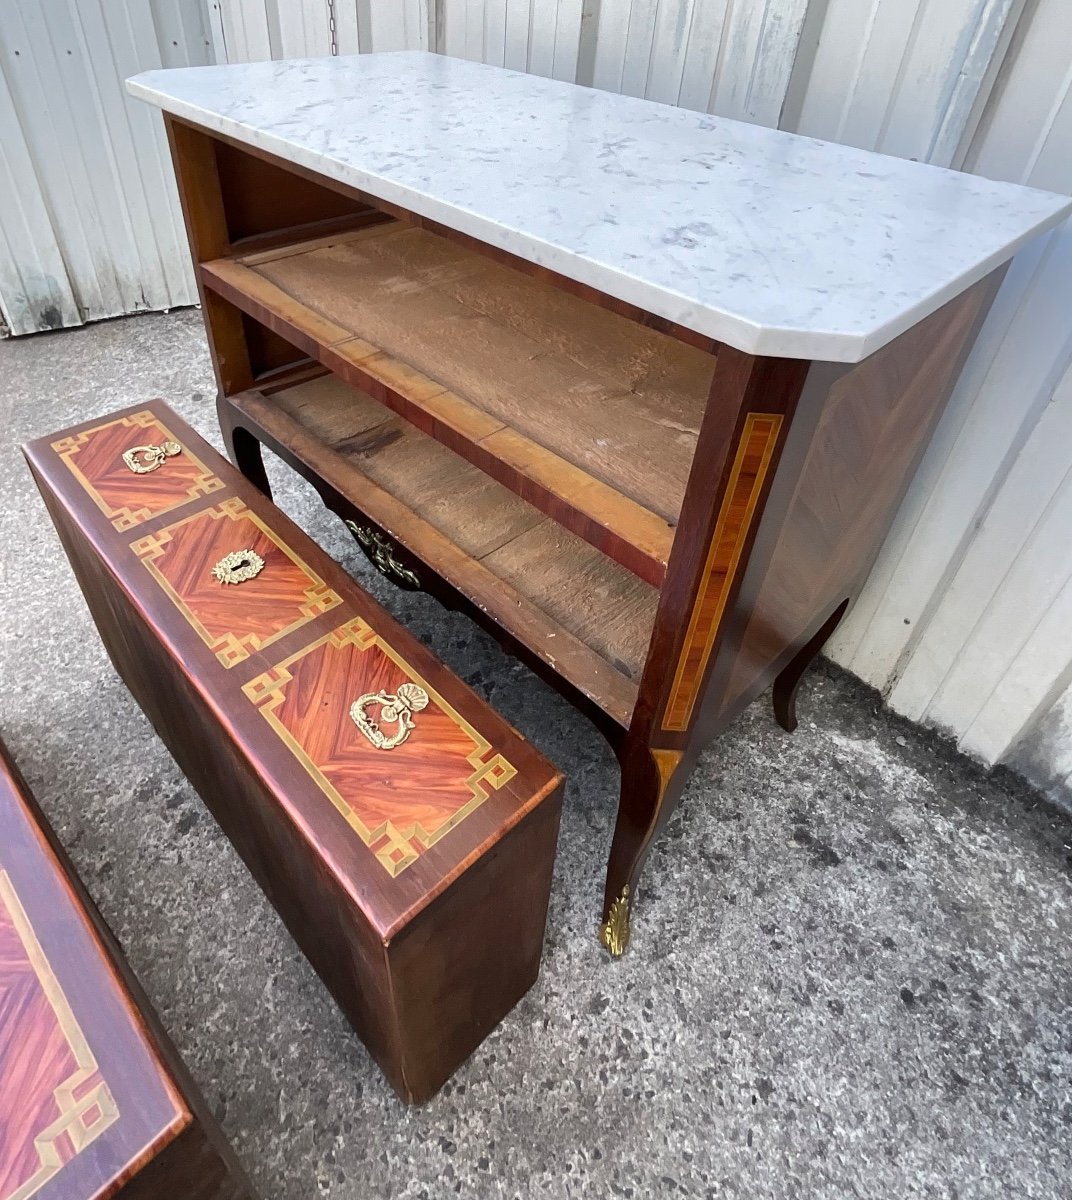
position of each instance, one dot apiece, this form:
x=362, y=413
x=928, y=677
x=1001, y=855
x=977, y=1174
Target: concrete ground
x=850, y=972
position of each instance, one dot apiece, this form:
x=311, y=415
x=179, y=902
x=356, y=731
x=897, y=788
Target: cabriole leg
x=243, y=449
x=651, y=782
x=787, y=682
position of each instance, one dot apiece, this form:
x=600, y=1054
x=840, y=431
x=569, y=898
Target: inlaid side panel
x=872, y=427
x=128, y=499
x=751, y=463
x=234, y=619
x=399, y=801
x=53, y=1101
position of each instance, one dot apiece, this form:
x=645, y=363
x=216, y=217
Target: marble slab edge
x=731, y=329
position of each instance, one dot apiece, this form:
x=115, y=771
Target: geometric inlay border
x=395, y=845
x=86, y=1108
x=125, y=517
x=750, y=466
x=230, y=647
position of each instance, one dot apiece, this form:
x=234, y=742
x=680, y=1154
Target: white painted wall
x=967, y=620
x=711, y=55
x=90, y=224
x=902, y=76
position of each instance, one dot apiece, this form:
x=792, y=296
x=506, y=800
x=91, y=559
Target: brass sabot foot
x=614, y=932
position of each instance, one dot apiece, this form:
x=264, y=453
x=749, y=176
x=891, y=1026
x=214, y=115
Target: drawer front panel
x=234, y=620
x=404, y=832
x=130, y=498
x=54, y=1101
x=86, y=1096
x=401, y=800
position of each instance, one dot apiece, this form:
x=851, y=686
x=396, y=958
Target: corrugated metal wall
x=967, y=620
x=716, y=55
x=711, y=55
x=90, y=225
x=249, y=30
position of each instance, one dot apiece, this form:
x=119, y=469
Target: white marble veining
x=774, y=243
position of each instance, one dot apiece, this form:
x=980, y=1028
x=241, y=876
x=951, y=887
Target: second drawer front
x=239, y=586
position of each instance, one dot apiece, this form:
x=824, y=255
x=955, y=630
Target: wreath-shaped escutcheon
x=238, y=566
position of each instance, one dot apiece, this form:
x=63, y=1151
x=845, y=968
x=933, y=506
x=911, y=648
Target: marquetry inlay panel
x=95, y=458
x=401, y=801
x=745, y=485
x=234, y=620
x=53, y=1100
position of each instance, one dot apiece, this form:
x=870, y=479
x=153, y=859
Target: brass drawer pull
x=398, y=709
x=238, y=566
x=382, y=555
x=143, y=459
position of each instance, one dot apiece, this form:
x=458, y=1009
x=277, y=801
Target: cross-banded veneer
x=93, y=1099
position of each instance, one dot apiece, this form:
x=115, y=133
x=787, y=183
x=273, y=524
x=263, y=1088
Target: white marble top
x=774, y=243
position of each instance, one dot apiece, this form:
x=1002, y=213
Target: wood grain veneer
x=579, y=588
x=861, y=433
x=94, y=456
x=584, y=383
x=285, y=596
x=748, y=474
x=564, y=606
x=93, y=1100
x=444, y=843
x=432, y=782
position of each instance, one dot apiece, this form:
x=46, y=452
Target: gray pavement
x=850, y=973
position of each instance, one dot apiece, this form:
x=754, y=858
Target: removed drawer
x=403, y=830
x=93, y=1098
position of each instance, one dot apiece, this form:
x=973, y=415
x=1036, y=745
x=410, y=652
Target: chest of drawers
x=640, y=388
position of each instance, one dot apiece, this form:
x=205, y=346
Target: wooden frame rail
x=626, y=531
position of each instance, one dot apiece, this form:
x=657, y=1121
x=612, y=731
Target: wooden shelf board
x=588, y=416
x=570, y=605
x=322, y=231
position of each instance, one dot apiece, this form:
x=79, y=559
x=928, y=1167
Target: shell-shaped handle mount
x=397, y=710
